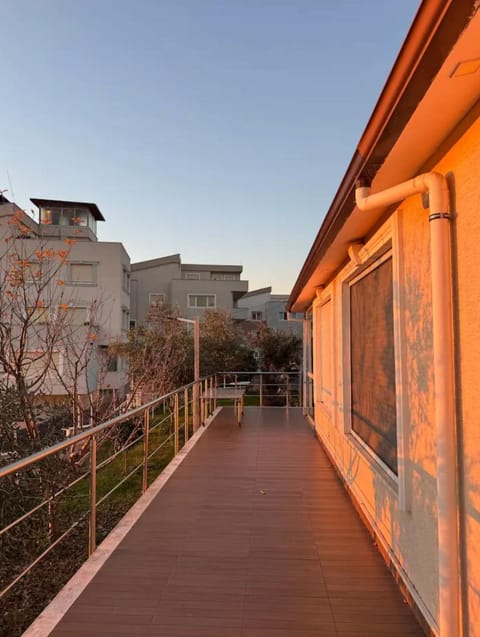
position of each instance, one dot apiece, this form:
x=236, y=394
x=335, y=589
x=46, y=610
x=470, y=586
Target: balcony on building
x=68, y=219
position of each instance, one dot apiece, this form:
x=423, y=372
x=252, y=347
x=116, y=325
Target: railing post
x=92, y=523
x=146, y=433
x=215, y=384
x=261, y=389
x=175, y=424
x=287, y=391
x=196, y=404
x=185, y=412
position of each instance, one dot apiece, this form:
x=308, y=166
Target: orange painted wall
x=464, y=162
x=410, y=532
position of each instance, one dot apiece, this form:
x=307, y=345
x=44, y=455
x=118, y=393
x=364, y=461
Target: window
x=125, y=319
x=76, y=314
x=201, y=300
x=156, y=299
x=257, y=316
x=37, y=362
x=192, y=276
x=112, y=365
x=224, y=276
x=83, y=273
x=133, y=324
x=282, y=316
x=372, y=361
x=39, y=315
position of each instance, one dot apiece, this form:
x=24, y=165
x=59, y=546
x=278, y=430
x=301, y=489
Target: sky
x=217, y=129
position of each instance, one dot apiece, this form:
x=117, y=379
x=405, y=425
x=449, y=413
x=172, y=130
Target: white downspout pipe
x=444, y=378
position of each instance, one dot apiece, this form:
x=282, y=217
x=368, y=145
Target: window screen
x=373, y=410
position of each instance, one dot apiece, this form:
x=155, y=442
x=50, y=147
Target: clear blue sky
x=219, y=129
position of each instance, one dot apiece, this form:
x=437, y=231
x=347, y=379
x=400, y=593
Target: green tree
x=223, y=346
x=278, y=351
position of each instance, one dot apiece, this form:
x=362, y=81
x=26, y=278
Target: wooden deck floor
x=253, y=536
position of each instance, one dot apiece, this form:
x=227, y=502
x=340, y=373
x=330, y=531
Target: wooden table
x=235, y=394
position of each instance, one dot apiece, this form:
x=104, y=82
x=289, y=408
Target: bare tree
x=159, y=355
x=46, y=342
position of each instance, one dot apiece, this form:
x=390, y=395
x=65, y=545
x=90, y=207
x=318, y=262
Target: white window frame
x=282, y=316
x=201, y=307
x=385, y=244
x=75, y=305
x=93, y=282
x=191, y=276
x=254, y=315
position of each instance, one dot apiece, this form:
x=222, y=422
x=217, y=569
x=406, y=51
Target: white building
x=89, y=292
x=190, y=287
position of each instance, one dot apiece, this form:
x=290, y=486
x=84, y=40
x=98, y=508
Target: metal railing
x=58, y=503
x=78, y=489
x=263, y=389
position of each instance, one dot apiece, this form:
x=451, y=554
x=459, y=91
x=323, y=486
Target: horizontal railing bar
x=85, y=435
x=160, y=446
x=119, y=484
x=42, y=504
x=42, y=555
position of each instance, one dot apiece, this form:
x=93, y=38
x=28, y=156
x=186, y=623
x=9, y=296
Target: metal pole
x=92, y=525
x=196, y=372
x=146, y=433
x=175, y=424
x=185, y=412
x=261, y=389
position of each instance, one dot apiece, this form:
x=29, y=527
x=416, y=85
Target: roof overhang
x=420, y=107
x=92, y=207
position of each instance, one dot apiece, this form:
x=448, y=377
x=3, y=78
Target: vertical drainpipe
x=436, y=186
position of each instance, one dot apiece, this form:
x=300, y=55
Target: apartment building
x=190, y=287
x=261, y=306
x=88, y=297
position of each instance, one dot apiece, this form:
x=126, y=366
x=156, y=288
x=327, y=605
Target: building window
x=372, y=361
x=201, y=300
x=82, y=273
x=282, y=316
x=39, y=315
x=156, y=299
x=133, y=324
x=112, y=364
x=192, y=276
x=76, y=315
x=257, y=316
x=224, y=276
x=125, y=319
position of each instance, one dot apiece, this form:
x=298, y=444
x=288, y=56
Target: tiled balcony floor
x=253, y=536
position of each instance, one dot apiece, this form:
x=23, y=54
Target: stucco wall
x=464, y=162
x=403, y=511
x=223, y=291
x=156, y=280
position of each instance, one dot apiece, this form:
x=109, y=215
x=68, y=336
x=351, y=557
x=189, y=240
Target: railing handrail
x=21, y=464
x=14, y=467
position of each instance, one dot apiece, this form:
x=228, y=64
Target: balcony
x=247, y=533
